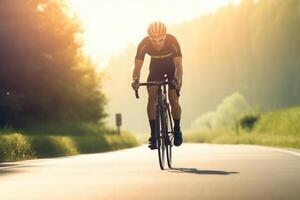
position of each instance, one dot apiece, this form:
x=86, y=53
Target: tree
x=42, y=66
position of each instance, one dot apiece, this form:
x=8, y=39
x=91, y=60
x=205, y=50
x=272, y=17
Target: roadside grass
x=52, y=146
x=63, y=128
x=280, y=122
x=280, y=128
x=230, y=137
x=64, y=141
x=15, y=147
x=120, y=142
x=93, y=143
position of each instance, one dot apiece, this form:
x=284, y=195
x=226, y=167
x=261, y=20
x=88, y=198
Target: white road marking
x=280, y=150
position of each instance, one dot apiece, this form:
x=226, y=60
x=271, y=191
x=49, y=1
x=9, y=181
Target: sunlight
x=111, y=25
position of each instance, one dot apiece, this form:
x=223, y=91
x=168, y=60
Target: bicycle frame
x=164, y=137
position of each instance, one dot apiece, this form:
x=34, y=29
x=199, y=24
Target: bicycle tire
x=170, y=136
x=160, y=139
x=164, y=129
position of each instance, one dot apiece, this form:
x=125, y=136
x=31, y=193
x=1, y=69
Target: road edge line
x=280, y=150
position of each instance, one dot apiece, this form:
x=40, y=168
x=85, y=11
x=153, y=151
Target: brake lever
x=177, y=92
x=137, y=94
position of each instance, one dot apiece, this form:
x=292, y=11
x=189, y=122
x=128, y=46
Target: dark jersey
x=161, y=61
x=170, y=49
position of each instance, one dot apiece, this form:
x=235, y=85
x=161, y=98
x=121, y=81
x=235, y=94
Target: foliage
x=280, y=122
x=251, y=48
x=44, y=77
x=227, y=113
x=248, y=121
x=17, y=146
x=222, y=136
x=53, y=146
x=278, y=128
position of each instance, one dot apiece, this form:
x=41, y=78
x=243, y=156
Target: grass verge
x=230, y=137
x=19, y=146
x=280, y=128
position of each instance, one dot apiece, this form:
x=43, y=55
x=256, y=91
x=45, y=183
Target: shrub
x=15, y=147
x=248, y=121
x=53, y=146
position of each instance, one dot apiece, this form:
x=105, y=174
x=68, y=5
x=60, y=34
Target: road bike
x=164, y=132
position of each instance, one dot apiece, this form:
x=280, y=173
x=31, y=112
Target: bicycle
x=164, y=132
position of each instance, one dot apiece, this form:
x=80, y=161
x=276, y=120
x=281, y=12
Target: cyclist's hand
x=135, y=84
x=177, y=83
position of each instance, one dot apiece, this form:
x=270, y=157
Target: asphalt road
x=201, y=171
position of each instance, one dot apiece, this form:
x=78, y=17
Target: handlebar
x=151, y=83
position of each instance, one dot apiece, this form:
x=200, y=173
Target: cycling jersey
x=170, y=49
x=161, y=61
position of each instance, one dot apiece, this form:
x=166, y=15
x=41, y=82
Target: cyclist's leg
x=175, y=110
x=176, y=114
x=173, y=98
x=174, y=102
x=154, y=75
x=151, y=110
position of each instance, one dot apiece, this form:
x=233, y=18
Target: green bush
x=91, y=143
x=281, y=122
x=64, y=128
x=90, y=139
x=15, y=147
x=53, y=146
x=121, y=141
x=248, y=121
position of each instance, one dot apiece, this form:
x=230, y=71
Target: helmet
x=157, y=28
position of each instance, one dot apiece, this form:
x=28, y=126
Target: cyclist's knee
x=174, y=102
x=151, y=101
x=173, y=98
x=152, y=92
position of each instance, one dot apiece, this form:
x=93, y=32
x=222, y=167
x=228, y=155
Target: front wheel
x=170, y=136
x=160, y=138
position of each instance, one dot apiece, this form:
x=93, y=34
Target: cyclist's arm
x=177, y=59
x=139, y=59
x=137, y=69
x=178, y=68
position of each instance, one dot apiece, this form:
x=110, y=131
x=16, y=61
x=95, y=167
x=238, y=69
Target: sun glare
x=109, y=26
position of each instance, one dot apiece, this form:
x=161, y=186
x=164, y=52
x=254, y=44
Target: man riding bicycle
x=166, y=58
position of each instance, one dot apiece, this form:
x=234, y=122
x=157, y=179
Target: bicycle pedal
x=150, y=146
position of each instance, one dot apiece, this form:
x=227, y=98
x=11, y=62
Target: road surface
x=202, y=171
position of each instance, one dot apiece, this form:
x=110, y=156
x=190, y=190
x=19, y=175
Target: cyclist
x=166, y=58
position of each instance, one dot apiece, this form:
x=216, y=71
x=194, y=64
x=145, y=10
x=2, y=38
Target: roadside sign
x=118, y=119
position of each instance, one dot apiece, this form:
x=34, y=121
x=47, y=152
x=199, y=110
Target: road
x=202, y=171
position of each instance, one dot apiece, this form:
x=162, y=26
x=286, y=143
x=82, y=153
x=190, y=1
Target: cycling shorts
x=159, y=67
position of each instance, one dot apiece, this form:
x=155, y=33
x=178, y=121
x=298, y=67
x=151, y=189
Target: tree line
x=44, y=77
x=252, y=48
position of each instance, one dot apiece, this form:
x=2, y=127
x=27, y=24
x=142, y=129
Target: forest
x=44, y=76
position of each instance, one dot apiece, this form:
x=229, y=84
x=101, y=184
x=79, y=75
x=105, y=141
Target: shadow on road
x=200, y=172
x=9, y=168
x=8, y=171
x=7, y=165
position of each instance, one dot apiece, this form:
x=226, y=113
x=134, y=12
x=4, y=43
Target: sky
x=109, y=26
